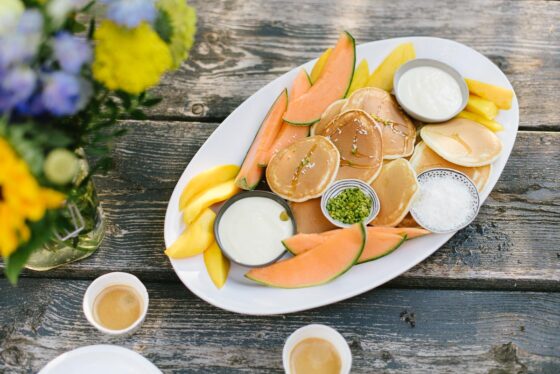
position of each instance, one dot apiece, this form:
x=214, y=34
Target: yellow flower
x=131, y=60
x=183, y=22
x=22, y=199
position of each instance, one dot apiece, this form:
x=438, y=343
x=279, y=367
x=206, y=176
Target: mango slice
x=360, y=78
x=318, y=67
x=217, y=265
x=382, y=77
x=482, y=107
x=490, y=124
x=220, y=192
x=196, y=238
x=498, y=95
x=206, y=179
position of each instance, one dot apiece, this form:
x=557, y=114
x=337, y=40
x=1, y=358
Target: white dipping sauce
x=430, y=92
x=251, y=230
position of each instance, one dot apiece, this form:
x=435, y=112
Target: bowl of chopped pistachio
x=350, y=201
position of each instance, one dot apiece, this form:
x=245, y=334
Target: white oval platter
x=231, y=140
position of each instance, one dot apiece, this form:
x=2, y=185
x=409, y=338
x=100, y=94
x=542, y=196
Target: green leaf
x=150, y=102
x=163, y=26
x=91, y=28
x=138, y=114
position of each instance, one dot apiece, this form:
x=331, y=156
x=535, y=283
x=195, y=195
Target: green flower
x=182, y=21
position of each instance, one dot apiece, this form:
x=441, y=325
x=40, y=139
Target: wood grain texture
x=243, y=44
x=454, y=331
x=511, y=245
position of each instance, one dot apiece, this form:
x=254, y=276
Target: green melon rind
x=310, y=123
x=404, y=237
x=346, y=268
x=288, y=248
x=242, y=183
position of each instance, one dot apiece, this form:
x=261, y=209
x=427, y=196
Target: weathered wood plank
x=454, y=331
x=242, y=45
x=512, y=244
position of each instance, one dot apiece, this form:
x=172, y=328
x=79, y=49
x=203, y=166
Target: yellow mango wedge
x=498, y=95
x=196, y=238
x=205, y=180
x=217, y=265
x=482, y=107
x=205, y=199
x=318, y=67
x=360, y=78
x=490, y=124
x=382, y=77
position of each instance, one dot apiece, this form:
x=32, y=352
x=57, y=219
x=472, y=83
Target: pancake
x=310, y=218
x=399, y=133
x=462, y=142
x=303, y=170
x=424, y=159
x=328, y=115
x=359, y=141
x=396, y=186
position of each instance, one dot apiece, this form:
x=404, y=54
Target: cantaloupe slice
x=206, y=179
x=333, y=84
x=500, y=96
x=220, y=192
x=409, y=232
x=360, y=78
x=217, y=265
x=309, y=217
x=300, y=243
x=288, y=134
x=251, y=173
x=319, y=65
x=380, y=244
x=382, y=76
x=319, y=265
x=196, y=238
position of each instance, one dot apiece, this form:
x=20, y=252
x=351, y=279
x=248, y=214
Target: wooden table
x=487, y=301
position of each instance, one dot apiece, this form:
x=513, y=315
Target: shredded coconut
x=444, y=204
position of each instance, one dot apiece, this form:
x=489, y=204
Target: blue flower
x=130, y=13
x=16, y=86
x=65, y=94
x=71, y=52
x=21, y=45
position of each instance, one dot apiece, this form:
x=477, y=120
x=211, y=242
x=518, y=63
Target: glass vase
x=60, y=252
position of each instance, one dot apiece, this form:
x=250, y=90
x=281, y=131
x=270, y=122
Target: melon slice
x=288, y=134
x=382, y=76
x=409, y=232
x=251, y=173
x=317, y=266
x=399, y=133
x=309, y=217
x=360, y=77
x=396, y=186
x=300, y=243
x=380, y=244
x=304, y=170
x=328, y=115
x=332, y=85
x=359, y=141
x=424, y=159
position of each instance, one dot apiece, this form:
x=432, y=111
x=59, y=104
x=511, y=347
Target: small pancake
x=310, y=218
x=424, y=159
x=396, y=186
x=359, y=141
x=462, y=142
x=303, y=170
x=399, y=133
x=328, y=115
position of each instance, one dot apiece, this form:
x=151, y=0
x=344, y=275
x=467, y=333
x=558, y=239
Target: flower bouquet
x=69, y=70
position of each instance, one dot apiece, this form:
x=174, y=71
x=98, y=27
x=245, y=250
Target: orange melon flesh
x=380, y=244
x=332, y=85
x=300, y=243
x=288, y=134
x=251, y=173
x=317, y=266
x=409, y=232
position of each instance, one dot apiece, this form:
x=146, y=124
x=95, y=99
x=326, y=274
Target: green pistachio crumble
x=350, y=206
x=284, y=216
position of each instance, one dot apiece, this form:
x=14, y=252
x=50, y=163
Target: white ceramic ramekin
x=321, y=332
x=113, y=279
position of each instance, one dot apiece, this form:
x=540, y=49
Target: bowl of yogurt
x=430, y=90
x=250, y=227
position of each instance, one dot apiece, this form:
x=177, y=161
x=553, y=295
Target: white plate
x=229, y=143
x=103, y=358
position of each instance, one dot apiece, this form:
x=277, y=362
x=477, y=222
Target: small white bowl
x=114, y=279
x=321, y=332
